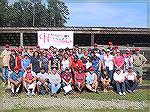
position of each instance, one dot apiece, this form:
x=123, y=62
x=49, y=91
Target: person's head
x=36, y=54
x=92, y=70
x=95, y=45
x=31, y=50
x=44, y=53
x=38, y=47
x=76, y=47
x=54, y=70
x=130, y=69
x=12, y=51
x=73, y=53
x=20, y=52
x=128, y=51
x=42, y=69
x=118, y=52
x=107, y=51
x=16, y=69
x=85, y=53
x=26, y=56
x=137, y=50
x=25, y=48
x=28, y=69
x=80, y=50
x=66, y=55
x=110, y=44
x=7, y=47
x=118, y=70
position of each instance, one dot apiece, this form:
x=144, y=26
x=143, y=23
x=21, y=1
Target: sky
x=97, y=13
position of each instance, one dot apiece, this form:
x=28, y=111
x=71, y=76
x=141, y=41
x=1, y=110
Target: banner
x=58, y=39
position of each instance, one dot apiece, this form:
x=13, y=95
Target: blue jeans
x=54, y=88
x=5, y=74
x=131, y=85
x=110, y=73
x=120, y=86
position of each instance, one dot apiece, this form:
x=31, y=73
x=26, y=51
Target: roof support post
x=21, y=38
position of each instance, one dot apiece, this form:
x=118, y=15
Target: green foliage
x=28, y=13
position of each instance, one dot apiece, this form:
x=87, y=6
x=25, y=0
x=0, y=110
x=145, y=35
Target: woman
x=35, y=62
x=118, y=60
x=91, y=81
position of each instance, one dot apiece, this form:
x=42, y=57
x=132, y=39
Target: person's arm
x=9, y=63
x=95, y=78
x=22, y=65
x=144, y=60
x=59, y=66
x=49, y=66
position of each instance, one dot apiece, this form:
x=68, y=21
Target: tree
x=3, y=7
x=58, y=12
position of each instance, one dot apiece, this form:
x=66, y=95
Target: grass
x=75, y=110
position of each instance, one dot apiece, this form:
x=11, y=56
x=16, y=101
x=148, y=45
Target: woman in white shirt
x=119, y=80
x=108, y=63
x=131, y=79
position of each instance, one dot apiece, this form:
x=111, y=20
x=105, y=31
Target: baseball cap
x=130, y=67
x=107, y=50
x=92, y=69
x=16, y=68
x=137, y=49
x=7, y=45
x=12, y=49
x=109, y=43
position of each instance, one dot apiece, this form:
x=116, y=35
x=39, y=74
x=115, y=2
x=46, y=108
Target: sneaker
x=33, y=94
x=133, y=91
x=28, y=94
x=129, y=91
x=120, y=93
x=124, y=93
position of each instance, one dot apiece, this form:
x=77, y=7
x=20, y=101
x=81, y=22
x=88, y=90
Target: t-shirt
x=65, y=64
x=16, y=76
x=130, y=76
x=54, y=79
x=90, y=78
x=66, y=76
x=119, y=77
x=30, y=75
x=79, y=77
x=54, y=61
x=42, y=76
x=35, y=64
x=25, y=63
x=77, y=65
x=5, y=54
x=138, y=60
x=118, y=60
x=45, y=62
x=18, y=64
x=108, y=62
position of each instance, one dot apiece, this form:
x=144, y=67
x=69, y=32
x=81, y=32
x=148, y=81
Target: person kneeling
x=79, y=80
x=131, y=80
x=15, y=81
x=42, y=81
x=67, y=82
x=119, y=80
x=54, y=81
x=105, y=81
x=29, y=81
x=91, y=81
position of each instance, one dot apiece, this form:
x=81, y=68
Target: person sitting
x=91, y=80
x=42, y=80
x=105, y=80
x=54, y=81
x=15, y=81
x=119, y=80
x=79, y=80
x=67, y=81
x=131, y=80
x=29, y=81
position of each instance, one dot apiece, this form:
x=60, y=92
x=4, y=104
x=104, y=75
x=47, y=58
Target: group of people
x=48, y=71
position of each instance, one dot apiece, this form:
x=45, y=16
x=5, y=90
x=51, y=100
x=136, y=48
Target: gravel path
x=64, y=102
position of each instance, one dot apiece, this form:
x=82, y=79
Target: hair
x=35, y=52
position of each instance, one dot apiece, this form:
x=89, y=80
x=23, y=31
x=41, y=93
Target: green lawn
x=76, y=110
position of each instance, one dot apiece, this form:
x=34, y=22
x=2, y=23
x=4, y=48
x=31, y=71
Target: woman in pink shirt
x=118, y=60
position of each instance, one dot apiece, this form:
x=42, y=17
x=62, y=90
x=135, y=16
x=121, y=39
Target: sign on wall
x=58, y=39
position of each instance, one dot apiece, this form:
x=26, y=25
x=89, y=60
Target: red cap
x=19, y=51
x=109, y=43
x=92, y=69
x=37, y=46
x=16, y=68
x=95, y=45
x=137, y=49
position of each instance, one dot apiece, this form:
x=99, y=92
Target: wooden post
x=21, y=39
x=92, y=39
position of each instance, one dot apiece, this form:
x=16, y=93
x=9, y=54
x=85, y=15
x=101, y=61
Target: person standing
x=138, y=61
x=5, y=70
